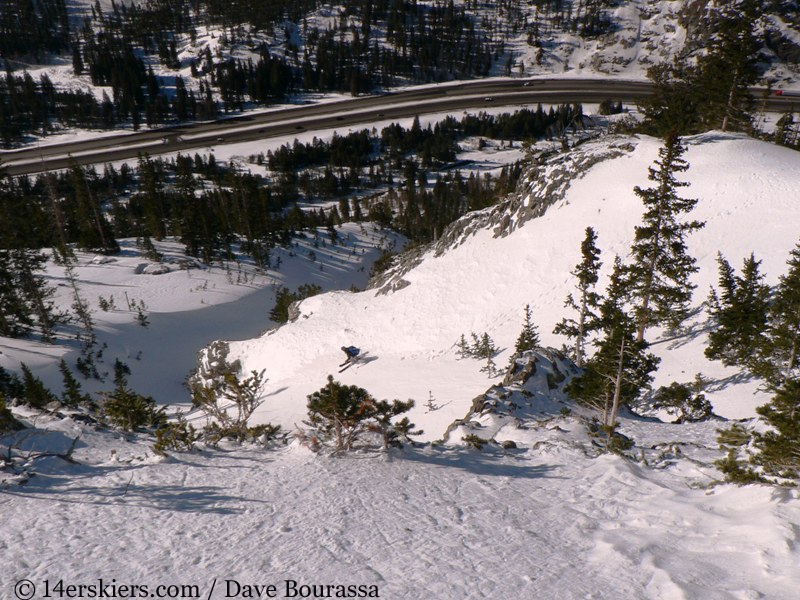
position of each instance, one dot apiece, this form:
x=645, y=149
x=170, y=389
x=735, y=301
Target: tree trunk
x=792, y=357
x=729, y=104
x=618, y=384
x=581, y=331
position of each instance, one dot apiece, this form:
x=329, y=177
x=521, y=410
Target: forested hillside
x=150, y=62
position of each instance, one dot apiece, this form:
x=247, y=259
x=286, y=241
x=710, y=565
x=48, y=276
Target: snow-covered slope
x=748, y=193
x=187, y=304
x=550, y=518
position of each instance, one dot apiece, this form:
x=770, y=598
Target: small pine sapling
x=463, y=347
x=733, y=441
x=141, y=315
x=528, y=338
x=177, y=436
x=36, y=394
x=392, y=432
x=431, y=404
x=230, y=401
x=71, y=395
x=778, y=450
x=684, y=401
x=128, y=410
x=339, y=413
x=588, y=302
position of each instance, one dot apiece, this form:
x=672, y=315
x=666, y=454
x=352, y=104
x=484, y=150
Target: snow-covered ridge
x=544, y=183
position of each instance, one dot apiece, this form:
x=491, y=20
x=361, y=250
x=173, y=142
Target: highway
x=364, y=110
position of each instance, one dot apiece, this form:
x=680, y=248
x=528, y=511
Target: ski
x=349, y=363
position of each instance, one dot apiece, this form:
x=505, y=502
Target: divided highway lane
x=363, y=110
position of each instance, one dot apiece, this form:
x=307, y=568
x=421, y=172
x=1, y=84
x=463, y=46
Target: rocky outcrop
x=532, y=387
x=544, y=184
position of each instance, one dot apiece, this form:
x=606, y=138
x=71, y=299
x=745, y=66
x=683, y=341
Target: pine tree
x=740, y=314
x=783, y=327
x=7, y=420
x=36, y=394
x=673, y=105
x=659, y=275
x=621, y=367
x=726, y=71
x=37, y=295
x=390, y=431
x=72, y=395
x=229, y=400
x=484, y=347
x=587, y=272
x=127, y=409
x=24, y=295
x=94, y=231
x=339, y=413
x=528, y=338
x=779, y=449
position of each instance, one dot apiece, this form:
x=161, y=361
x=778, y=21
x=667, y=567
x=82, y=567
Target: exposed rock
x=532, y=386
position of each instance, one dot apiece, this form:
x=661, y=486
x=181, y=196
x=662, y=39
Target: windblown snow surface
x=551, y=518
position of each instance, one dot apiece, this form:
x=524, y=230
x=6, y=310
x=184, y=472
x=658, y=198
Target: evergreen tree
x=390, y=431
x=339, y=413
x=7, y=420
x=621, y=367
x=686, y=402
x=714, y=92
x=528, y=338
x=659, y=275
x=127, y=409
x=673, y=105
x=779, y=449
x=729, y=67
x=36, y=394
x=783, y=327
x=94, y=232
x=740, y=314
x=72, y=395
x=229, y=400
x=587, y=272
x=10, y=385
x=25, y=298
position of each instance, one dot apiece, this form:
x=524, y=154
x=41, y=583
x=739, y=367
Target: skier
x=352, y=353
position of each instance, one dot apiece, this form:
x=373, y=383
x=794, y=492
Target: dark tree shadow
x=489, y=462
x=716, y=385
x=205, y=499
x=686, y=334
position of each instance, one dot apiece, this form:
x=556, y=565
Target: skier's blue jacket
x=352, y=351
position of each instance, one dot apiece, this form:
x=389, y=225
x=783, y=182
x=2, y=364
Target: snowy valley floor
x=543, y=521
